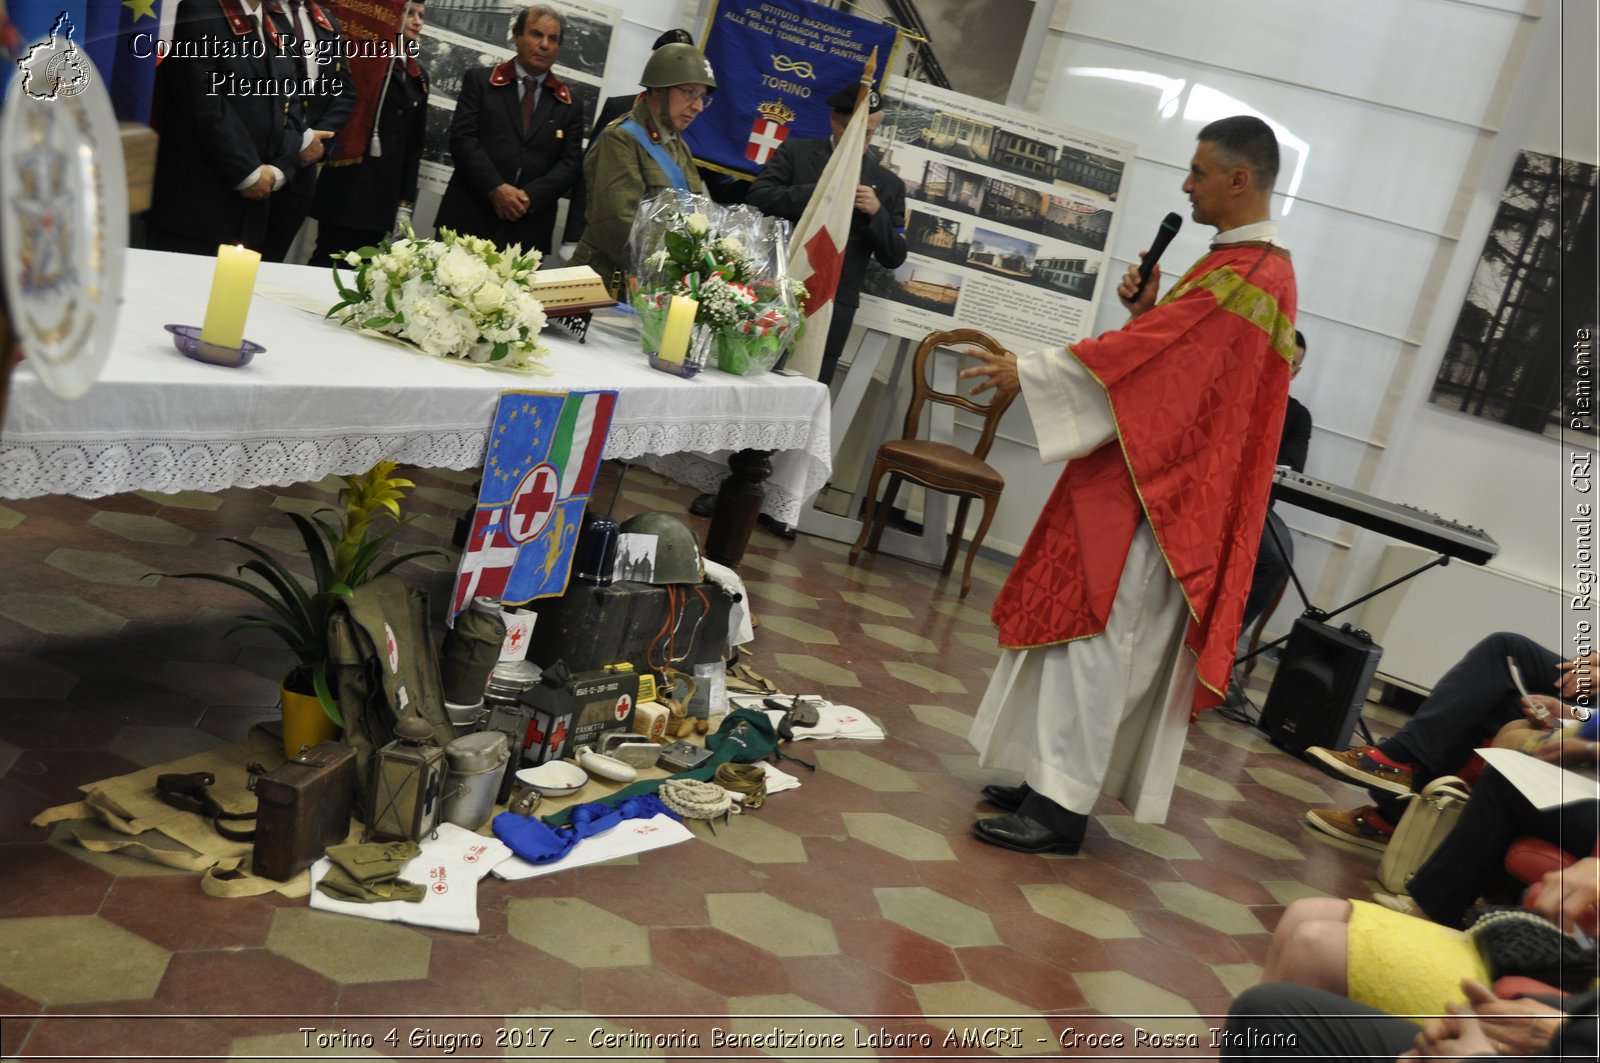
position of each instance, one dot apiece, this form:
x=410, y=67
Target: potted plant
x=343, y=556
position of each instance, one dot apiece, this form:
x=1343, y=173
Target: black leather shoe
x=703, y=505
x=776, y=527
x=1006, y=797
x=1019, y=833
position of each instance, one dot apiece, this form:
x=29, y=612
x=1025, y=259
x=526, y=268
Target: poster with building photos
x=464, y=35
x=1008, y=220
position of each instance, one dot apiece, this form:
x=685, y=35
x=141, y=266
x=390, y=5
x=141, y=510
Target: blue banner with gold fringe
x=776, y=62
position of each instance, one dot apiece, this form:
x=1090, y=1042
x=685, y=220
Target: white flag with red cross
x=816, y=255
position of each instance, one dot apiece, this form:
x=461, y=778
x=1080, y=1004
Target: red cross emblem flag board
x=539, y=467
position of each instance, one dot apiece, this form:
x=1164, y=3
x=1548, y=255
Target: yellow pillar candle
x=232, y=285
x=675, y=336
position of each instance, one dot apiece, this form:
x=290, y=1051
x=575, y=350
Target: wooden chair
x=939, y=466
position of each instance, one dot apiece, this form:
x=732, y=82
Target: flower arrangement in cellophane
x=731, y=260
x=453, y=297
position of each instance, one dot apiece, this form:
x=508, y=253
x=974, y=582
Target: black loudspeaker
x=1320, y=687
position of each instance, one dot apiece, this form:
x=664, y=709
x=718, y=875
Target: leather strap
x=187, y=792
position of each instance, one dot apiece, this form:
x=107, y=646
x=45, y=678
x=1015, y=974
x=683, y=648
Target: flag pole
x=867, y=72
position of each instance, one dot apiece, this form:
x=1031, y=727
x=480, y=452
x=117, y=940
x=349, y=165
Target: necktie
x=305, y=35
x=530, y=97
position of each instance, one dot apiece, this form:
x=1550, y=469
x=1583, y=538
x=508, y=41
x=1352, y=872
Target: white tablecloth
x=322, y=399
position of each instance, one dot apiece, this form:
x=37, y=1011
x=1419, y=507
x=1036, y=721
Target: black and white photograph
x=935, y=236
x=1534, y=287
x=635, y=557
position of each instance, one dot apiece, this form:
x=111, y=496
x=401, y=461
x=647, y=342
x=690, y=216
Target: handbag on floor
x=1429, y=816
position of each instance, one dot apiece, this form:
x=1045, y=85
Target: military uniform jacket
x=619, y=175
x=364, y=194
x=211, y=138
x=490, y=149
x=785, y=187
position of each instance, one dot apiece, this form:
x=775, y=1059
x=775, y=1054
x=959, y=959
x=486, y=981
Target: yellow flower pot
x=304, y=722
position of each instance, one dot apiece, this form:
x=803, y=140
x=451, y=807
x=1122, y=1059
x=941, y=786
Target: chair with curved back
x=937, y=466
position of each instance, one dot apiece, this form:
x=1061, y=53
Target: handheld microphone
x=1164, y=235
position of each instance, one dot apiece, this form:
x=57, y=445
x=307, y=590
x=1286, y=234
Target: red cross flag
x=816, y=254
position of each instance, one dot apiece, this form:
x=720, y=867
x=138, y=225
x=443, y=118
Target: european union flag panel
x=539, y=469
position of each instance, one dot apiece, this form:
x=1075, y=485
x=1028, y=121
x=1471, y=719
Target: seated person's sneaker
x=1362, y=826
x=1364, y=766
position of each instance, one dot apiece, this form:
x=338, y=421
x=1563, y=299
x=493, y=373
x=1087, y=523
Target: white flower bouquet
x=731, y=260
x=454, y=297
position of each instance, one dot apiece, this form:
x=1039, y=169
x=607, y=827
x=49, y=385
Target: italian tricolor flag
x=581, y=438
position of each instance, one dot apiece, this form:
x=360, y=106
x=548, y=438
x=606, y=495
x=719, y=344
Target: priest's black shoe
x=703, y=505
x=1017, y=832
x=1007, y=797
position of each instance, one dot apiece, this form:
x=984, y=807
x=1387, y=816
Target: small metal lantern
x=403, y=800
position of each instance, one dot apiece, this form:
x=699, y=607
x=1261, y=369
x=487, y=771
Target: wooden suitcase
x=304, y=806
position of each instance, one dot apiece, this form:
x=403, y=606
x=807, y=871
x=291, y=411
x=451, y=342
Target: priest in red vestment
x=1119, y=620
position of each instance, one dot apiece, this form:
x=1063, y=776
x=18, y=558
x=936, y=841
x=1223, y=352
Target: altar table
x=327, y=400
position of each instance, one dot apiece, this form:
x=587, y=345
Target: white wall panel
x=1346, y=377
x=1350, y=268
x=1420, y=55
x=1340, y=152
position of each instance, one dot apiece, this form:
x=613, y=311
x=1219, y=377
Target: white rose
x=488, y=298
x=352, y=259
x=730, y=247
x=698, y=224
x=461, y=271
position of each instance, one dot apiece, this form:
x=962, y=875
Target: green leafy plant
x=343, y=556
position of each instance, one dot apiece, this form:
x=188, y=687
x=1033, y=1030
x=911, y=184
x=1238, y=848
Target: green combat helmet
x=677, y=556
x=677, y=64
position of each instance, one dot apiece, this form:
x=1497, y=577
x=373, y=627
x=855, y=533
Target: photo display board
x=1008, y=220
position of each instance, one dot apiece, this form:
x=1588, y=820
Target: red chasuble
x=1197, y=387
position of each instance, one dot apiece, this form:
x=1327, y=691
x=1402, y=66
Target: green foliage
x=343, y=556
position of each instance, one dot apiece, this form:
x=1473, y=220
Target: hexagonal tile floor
x=855, y=916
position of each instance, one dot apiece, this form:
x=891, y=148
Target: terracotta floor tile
x=898, y=951
x=41, y=880
x=1224, y=881
x=1189, y=937
x=145, y=905
x=1035, y=982
x=152, y=1029
x=848, y=986
x=1044, y=938
x=49, y=745
x=639, y=992
x=246, y=982
x=720, y=962
x=1164, y=965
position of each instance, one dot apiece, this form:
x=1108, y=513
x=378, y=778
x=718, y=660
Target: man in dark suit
x=312, y=37
x=227, y=150
x=517, y=141
x=877, y=228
